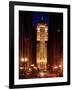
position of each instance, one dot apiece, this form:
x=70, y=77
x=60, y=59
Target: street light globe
x=21, y=68
x=32, y=65
x=26, y=59
x=22, y=59
x=35, y=68
x=60, y=66
x=41, y=74
x=55, y=67
x=30, y=69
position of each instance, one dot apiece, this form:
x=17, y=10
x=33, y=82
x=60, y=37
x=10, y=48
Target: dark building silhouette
x=25, y=36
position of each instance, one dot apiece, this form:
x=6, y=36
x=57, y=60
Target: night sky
x=37, y=16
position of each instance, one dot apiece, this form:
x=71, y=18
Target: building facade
x=41, y=46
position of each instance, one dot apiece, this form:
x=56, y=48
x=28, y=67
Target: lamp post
x=24, y=63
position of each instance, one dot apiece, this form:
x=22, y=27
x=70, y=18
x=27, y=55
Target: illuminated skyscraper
x=41, y=47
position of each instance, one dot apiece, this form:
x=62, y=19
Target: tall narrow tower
x=41, y=48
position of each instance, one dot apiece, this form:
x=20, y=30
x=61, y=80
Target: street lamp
x=22, y=59
x=55, y=67
x=25, y=59
x=32, y=65
x=41, y=74
x=60, y=66
x=35, y=68
x=24, y=64
x=21, y=68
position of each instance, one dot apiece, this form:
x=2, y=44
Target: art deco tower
x=41, y=47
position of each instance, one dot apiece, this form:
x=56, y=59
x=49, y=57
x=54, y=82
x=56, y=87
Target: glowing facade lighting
x=46, y=29
x=38, y=29
x=42, y=37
